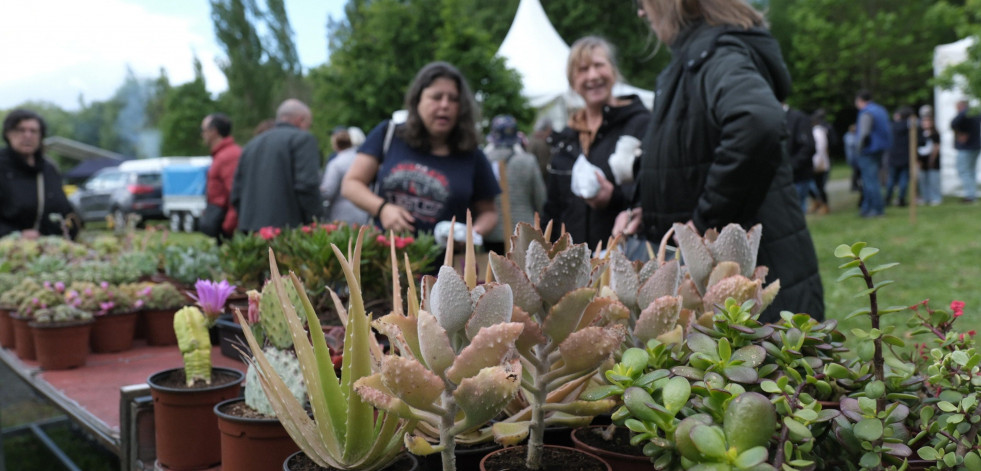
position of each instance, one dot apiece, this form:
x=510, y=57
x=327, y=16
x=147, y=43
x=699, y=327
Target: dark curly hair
x=15, y=117
x=464, y=137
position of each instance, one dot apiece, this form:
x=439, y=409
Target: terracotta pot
x=571, y=458
x=185, y=427
x=6, y=329
x=249, y=444
x=620, y=461
x=160, y=326
x=23, y=337
x=114, y=332
x=61, y=345
x=467, y=457
x=298, y=461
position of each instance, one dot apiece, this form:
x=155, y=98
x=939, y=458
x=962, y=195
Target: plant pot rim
x=117, y=314
x=155, y=309
x=16, y=315
x=641, y=457
x=153, y=383
x=236, y=418
x=54, y=325
x=525, y=446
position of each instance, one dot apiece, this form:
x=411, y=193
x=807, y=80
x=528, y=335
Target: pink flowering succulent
x=211, y=296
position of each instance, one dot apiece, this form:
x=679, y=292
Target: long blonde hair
x=671, y=16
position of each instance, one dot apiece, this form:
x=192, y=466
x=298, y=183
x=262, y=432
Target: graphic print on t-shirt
x=423, y=190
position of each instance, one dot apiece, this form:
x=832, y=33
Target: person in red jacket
x=216, y=130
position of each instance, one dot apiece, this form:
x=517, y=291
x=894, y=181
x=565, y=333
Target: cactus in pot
x=343, y=432
x=267, y=321
x=194, y=342
x=456, y=367
x=569, y=333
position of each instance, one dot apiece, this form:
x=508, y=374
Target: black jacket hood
x=762, y=46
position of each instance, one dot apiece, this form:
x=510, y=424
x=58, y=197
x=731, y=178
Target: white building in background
x=944, y=111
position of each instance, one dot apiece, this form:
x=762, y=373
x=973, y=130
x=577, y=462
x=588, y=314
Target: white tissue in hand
x=441, y=232
x=622, y=160
x=584, y=182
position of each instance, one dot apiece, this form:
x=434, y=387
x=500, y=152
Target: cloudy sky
x=58, y=50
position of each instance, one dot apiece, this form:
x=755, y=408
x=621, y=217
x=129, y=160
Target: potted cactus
x=569, y=333
x=252, y=438
x=456, y=366
x=341, y=431
x=61, y=336
x=185, y=427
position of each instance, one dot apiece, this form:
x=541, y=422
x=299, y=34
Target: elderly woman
x=30, y=186
x=430, y=169
x=592, y=132
x=713, y=155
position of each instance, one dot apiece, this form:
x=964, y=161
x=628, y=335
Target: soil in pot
x=467, y=456
x=250, y=440
x=300, y=462
x=23, y=338
x=113, y=333
x=6, y=329
x=61, y=346
x=554, y=458
x=617, y=450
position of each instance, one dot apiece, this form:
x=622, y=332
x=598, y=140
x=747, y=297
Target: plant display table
x=106, y=396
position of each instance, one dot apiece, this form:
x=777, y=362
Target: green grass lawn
x=939, y=256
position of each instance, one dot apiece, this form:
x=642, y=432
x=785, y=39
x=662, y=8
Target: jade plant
x=569, y=333
x=342, y=431
x=456, y=366
x=194, y=342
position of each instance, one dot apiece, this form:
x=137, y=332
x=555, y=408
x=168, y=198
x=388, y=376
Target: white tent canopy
x=538, y=53
x=945, y=109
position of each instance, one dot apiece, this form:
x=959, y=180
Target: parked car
x=120, y=191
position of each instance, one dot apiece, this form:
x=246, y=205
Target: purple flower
x=211, y=296
x=106, y=307
x=104, y=285
x=60, y=287
x=138, y=304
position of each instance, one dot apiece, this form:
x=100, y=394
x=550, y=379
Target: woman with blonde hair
x=713, y=153
x=592, y=132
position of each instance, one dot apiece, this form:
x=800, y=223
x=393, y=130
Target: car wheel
x=189, y=222
x=175, y=221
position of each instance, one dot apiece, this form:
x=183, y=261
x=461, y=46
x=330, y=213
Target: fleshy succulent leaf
x=411, y=381
x=488, y=348
x=450, y=300
x=493, y=307
x=437, y=352
x=524, y=293
x=482, y=397
x=564, y=316
x=567, y=271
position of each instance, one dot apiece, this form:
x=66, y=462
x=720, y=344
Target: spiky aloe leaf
x=488, y=348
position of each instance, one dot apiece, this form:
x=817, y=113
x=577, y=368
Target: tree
x=261, y=72
x=180, y=125
x=966, y=16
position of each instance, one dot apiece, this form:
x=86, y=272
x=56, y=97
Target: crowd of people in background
x=728, y=150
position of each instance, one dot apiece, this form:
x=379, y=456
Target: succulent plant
x=44, y=297
x=287, y=367
x=569, y=333
x=272, y=323
x=61, y=313
x=161, y=296
x=456, y=366
x=24, y=288
x=194, y=342
x=344, y=432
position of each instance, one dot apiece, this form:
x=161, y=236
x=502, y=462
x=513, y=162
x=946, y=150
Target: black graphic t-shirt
x=432, y=188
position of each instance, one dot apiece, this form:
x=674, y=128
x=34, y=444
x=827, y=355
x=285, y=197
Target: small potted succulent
x=252, y=438
x=61, y=336
x=35, y=296
x=340, y=430
x=16, y=289
x=456, y=367
x=186, y=431
x=160, y=302
x=7, y=282
x=115, y=309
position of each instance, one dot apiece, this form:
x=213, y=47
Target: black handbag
x=211, y=220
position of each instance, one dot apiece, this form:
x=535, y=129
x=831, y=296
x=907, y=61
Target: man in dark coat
x=713, y=154
x=800, y=146
x=277, y=182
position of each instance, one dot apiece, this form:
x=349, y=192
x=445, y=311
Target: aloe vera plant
x=456, y=366
x=344, y=432
x=569, y=333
